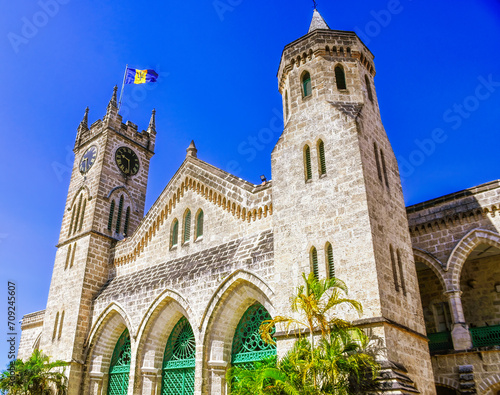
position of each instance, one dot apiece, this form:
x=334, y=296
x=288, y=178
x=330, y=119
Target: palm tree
x=36, y=376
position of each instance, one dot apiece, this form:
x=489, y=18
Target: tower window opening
x=61, y=325
x=329, y=261
x=340, y=77
x=401, y=273
x=314, y=262
x=306, y=84
x=342, y=51
x=369, y=88
x=174, y=236
x=77, y=216
x=119, y=216
x=307, y=163
x=199, y=224
x=394, y=268
x=54, y=333
x=82, y=215
x=187, y=226
x=286, y=105
x=68, y=256
x=72, y=256
x=111, y=212
x=379, y=170
x=321, y=158
x=72, y=220
x=127, y=219
x=384, y=168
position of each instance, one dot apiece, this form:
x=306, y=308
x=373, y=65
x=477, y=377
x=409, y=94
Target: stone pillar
x=149, y=381
x=460, y=332
x=217, y=374
x=96, y=380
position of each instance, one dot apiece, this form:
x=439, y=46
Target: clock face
x=88, y=159
x=127, y=161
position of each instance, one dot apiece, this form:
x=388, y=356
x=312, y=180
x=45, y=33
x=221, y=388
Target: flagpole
x=123, y=84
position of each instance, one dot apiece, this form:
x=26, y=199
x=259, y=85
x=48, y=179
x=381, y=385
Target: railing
x=485, y=336
x=440, y=341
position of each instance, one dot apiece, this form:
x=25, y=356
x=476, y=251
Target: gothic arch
x=126, y=191
x=73, y=201
x=490, y=385
x=447, y=382
x=155, y=329
x=465, y=246
x=112, y=309
x=432, y=263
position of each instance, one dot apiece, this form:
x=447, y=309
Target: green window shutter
x=82, y=216
x=199, y=224
x=179, y=361
x=329, y=257
x=187, y=225
x=111, y=212
x=248, y=346
x=314, y=262
x=119, y=216
x=340, y=77
x=307, y=155
x=175, y=232
x=127, y=218
x=119, y=369
x=306, y=85
x=322, y=161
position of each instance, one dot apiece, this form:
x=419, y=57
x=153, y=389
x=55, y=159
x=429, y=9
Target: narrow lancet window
x=340, y=77
x=329, y=261
x=321, y=158
x=119, y=216
x=306, y=84
x=307, y=163
x=82, y=215
x=111, y=212
x=369, y=88
x=174, y=237
x=314, y=262
x=199, y=224
x=187, y=226
x=127, y=219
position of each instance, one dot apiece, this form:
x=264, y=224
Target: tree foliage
x=333, y=359
x=36, y=376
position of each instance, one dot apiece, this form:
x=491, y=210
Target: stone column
x=460, y=332
x=96, y=379
x=217, y=374
x=149, y=381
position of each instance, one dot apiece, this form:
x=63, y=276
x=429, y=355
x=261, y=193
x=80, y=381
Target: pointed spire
x=152, y=122
x=85, y=121
x=113, y=102
x=191, y=150
x=317, y=22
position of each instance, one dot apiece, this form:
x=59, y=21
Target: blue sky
x=438, y=74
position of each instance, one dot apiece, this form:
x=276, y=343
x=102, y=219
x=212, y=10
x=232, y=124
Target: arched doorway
x=179, y=361
x=248, y=346
x=119, y=369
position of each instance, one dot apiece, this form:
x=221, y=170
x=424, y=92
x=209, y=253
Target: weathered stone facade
x=335, y=187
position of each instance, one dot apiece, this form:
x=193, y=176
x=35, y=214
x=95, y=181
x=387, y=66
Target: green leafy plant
x=36, y=376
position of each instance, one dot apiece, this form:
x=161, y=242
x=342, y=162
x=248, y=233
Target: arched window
x=379, y=171
x=199, y=224
x=329, y=261
x=248, y=346
x=286, y=105
x=321, y=158
x=73, y=209
x=54, y=333
x=82, y=215
x=77, y=216
x=111, y=212
x=174, y=234
x=369, y=88
x=119, y=216
x=307, y=163
x=61, y=325
x=119, y=368
x=72, y=256
x=187, y=226
x=68, y=257
x=306, y=84
x=401, y=271
x=179, y=360
x=340, y=77
x=127, y=219
x=314, y=262
x=394, y=269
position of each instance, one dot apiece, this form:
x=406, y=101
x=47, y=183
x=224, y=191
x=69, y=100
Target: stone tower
x=338, y=199
x=105, y=203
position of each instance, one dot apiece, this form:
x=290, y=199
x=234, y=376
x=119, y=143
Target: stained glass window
x=179, y=361
x=119, y=369
x=248, y=346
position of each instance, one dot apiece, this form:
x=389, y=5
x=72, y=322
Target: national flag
x=134, y=76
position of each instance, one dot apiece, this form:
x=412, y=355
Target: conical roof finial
x=113, y=102
x=85, y=121
x=317, y=22
x=191, y=150
x=152, y=122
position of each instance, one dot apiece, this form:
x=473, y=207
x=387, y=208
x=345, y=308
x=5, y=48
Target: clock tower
x=105, y=203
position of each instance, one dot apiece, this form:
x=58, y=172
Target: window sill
x=174, y=247
x=198, y=239
x=322, y=175
x=309, y=181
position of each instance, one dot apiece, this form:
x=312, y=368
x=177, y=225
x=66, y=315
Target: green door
x=248, y=346
x=119, y=369
x=179, y=361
